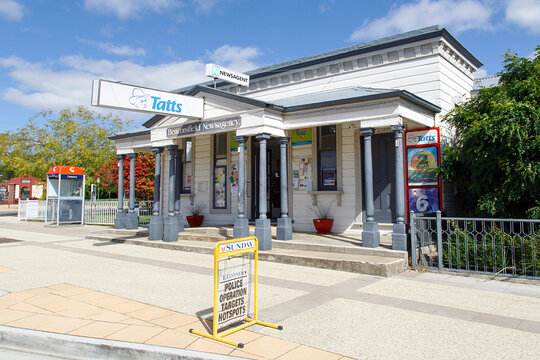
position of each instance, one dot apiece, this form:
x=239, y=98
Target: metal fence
x=508, y=247
x=32, y=209
x=103, y=212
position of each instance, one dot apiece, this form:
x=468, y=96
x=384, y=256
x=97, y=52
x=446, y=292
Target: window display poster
x=422, y=164
x=220, y=187
x=423, y=200
x=233, y=179
x=3, y=192
x=234, y=144
x=187, y=177
x=302, y=179
x=329, y=176
x=301, y=137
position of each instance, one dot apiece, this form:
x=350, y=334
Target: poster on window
x=233, y=180
x=329, y=176
x=422, y=165
x=301, y=137
x=234, y=144
x=187, y=177
x=220, y=187
x=423, y=200
x=301, y=168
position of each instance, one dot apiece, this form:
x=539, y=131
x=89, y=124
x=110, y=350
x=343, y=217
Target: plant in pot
x=195, y=219
x=323, y=223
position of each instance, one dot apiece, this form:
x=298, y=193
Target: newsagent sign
x=205, y=126
x=232, y=76
x=120, y=96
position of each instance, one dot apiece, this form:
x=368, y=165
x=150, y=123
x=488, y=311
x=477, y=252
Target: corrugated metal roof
x=487, y=81
x=329, y=96
x=131, y=133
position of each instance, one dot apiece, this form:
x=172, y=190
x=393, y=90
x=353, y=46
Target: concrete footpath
x=54, y=282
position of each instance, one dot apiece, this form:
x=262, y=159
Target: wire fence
x=508, y=247
x=32, y=210
x=103, y=212
x=100, y=212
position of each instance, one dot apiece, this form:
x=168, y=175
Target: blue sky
x=51, y=50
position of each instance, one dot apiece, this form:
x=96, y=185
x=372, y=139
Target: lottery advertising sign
x=422, y=165
x=422, y=148
x=424, y=200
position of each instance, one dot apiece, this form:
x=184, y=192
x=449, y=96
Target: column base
x=120, y=220
x=263, y=233
x=371, y=237
x=399, y=237
x=132, y=221
x=180, y=219
x=170, y=229
x=284, y=229
x=241, y=228
x=155, y=230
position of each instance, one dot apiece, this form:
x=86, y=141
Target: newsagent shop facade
x=325, y=129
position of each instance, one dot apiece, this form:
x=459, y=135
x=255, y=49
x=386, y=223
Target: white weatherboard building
x=327, y=127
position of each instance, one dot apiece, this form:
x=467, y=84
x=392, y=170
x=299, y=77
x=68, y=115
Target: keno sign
x=136, y=98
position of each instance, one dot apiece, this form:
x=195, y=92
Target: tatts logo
x=422, y=137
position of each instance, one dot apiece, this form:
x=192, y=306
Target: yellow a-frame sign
x=231, y=290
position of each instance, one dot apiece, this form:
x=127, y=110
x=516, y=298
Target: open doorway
x=273, y=189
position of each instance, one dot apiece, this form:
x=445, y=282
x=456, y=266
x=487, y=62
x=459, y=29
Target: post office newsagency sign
x=136, y=98
x=219, y=72
x=208, y=126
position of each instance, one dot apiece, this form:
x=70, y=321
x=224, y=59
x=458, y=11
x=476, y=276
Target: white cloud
x=205, y=6
x=67, y=81
x=325, y=7
x=457, y=15
x=132, y=8
x=110, y=48
x=525, y=13
x=235, y=57
x=11, y=10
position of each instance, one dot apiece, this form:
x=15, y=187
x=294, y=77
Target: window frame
x=318, y=150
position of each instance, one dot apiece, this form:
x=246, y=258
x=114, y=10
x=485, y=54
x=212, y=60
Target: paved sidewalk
x=53, y=279
x=74, y=310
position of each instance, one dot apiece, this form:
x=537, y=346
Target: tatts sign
x=135, y=98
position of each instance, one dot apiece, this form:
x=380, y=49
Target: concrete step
x=379, y=261
x=385, y=229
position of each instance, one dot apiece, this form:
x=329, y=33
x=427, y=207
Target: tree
x=72, y=136
x=495, y=158
x=144, y=176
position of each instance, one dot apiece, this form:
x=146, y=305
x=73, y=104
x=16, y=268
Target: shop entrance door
x=273, y=190
x=384, y=175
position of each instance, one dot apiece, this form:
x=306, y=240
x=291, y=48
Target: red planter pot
x=195, y=220
x=323, y=226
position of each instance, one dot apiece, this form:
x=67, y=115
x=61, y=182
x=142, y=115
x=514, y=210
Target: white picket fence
x=101, y=212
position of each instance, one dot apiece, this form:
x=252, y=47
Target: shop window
x=187, y=167
x=327, y=158
x=25, y=193
x=220, y=171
